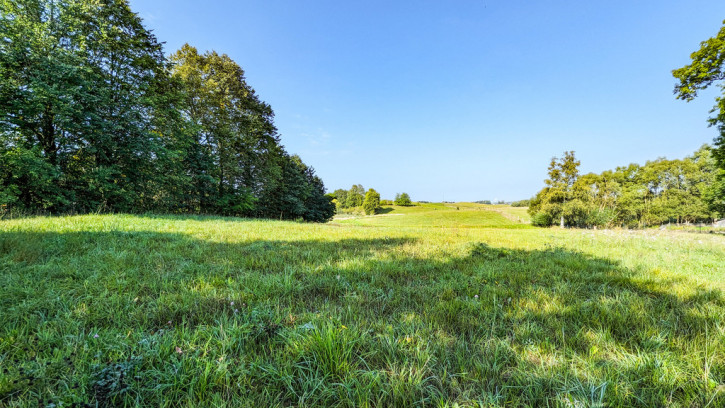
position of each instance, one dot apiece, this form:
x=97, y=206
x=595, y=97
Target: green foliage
x=659, y=192
x=318, y=206
x=299, y=193
x=350, y=199
x=541, y=219
x=600, y=217
x=714, y=194
x=340, y=196
x=555, y=198
x=93, y=117
x=234, y=141
x=112, y=382
x=80, y=83
x=403, y=199
x=521, y=203
x=707, y=68
x=355, y=196
x=576, y=213
x=371, y=205
x=27, y=181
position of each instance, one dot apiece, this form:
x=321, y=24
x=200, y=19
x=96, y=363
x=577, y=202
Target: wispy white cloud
x=318, y=138
x=148, y=17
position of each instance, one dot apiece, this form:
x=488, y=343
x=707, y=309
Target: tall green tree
x=80, y=87
x=556, y=199
x=707, y=68
x=318, y=205
x=93, y=116
x=340, y=198
x=355, y=196
x=371, y=204
x=297, y=194
x=233, y=132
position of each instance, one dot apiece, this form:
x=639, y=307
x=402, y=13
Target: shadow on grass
x=350, y=322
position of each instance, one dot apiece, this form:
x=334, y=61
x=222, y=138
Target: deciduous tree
x=402, y=199
x=371, y=205
x=563, y=173
x=707, y=68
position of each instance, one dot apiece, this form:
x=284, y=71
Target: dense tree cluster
x=94, y=117
x=403, y=199
x=345, y=199
x=521, y=203
x=661, y=191
x=356, y=197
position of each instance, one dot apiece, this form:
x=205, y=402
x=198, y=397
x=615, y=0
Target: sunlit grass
x=120, y=310
x=459, y=215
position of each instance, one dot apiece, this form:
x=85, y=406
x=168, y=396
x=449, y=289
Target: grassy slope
x=461, y=215
x=215, y=312
x=517, y=214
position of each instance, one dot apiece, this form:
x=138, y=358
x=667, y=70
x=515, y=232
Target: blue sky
x=460, y=100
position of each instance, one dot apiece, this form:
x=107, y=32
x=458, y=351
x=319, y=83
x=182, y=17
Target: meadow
x=440, y=305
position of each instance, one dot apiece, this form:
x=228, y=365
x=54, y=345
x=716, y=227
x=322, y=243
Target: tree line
x=93, y=116
x=661, y=191
x=369, y=200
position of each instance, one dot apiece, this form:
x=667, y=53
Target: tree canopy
x=371, y=204
x=707, y=68
x=661, y=191
x=556, y=199
x=354, y=197
x=94, y=117
x=402, y=199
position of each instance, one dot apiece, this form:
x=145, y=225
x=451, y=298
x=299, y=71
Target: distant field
x=435, y=307
x=460, y=215
x=519, y=214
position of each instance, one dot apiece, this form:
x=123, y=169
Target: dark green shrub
x=541, y=219
x=521, y=203
x=601, y=217
x=28, y=181
x=575, y=213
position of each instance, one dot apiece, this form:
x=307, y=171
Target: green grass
x=436, y=307
x=518, y=214
x=459, y=215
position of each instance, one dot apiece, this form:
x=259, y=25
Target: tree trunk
x=562, y=222
x=47, y=140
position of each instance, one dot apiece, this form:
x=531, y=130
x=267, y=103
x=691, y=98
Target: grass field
x=459, y=215
x=435, y=307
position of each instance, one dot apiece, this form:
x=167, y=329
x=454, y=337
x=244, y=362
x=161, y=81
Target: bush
x=601, y=217
x=575, y=213
x=521, y=203
x=541, y=219
x=28, y=182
